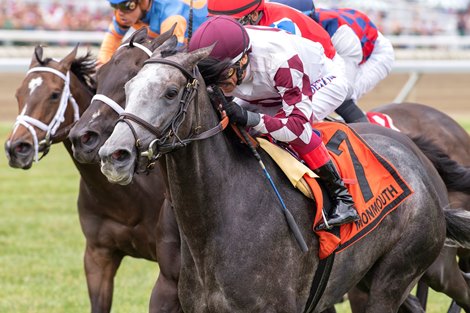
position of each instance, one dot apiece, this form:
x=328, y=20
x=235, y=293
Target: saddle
x=375, y=185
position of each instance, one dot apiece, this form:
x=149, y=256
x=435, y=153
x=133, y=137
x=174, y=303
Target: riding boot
x=351, y=113
x=343, y=210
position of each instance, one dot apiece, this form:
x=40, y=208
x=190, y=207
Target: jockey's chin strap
x=30, y=122
x=107, y=100
x=162, y=145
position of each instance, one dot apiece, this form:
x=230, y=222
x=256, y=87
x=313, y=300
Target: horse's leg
x=422, y=290
x=454, y=308
x=411, y=304
x=395, y=274
x=165, y=294
x=444, y=275
x=101, y=265
x=357, y=300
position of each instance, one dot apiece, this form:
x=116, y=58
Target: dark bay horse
x=237, y=253
x=92, y=130
x=117, y=221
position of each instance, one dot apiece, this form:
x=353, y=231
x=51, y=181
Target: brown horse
x=117, y=221
x=234, y=243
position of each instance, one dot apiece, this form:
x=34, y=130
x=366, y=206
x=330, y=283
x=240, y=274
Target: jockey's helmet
x=231, y=43
x=234, y=8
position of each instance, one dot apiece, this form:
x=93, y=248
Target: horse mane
x=211, y=70
x=455, y=176
x=85, y=68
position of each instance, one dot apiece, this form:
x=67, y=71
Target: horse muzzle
x=19, y=154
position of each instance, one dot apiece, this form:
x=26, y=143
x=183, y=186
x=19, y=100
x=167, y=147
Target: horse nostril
x=84, y=139
x=120, y=155
x=89, y=138
x=21, y=148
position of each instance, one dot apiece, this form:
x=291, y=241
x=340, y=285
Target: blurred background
x=41, y=244
x=431, y=40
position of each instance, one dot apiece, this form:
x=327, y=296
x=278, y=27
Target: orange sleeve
x=108, y=47
x=112, y=40
x=180, y=26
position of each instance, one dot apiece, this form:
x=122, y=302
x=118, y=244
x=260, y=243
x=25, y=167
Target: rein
x=161, y=145
x=30, y=122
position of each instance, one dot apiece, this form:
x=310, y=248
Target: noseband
x=161, y=145
x=51, y=128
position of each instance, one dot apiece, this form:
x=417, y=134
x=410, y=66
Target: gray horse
x=237, y=252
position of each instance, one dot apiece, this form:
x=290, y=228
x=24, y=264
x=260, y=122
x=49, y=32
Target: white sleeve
x=330, y=90
x=347, y=44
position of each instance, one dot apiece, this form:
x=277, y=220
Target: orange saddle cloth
x=375, y=185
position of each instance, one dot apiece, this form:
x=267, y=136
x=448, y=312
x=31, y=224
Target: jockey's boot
x=351, y=113
x=343, y=210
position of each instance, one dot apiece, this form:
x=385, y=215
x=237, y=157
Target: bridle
x=30, y=122
x=170, y=141
x=107, y=100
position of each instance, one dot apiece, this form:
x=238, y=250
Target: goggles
x=126, y=6
x=229, y=72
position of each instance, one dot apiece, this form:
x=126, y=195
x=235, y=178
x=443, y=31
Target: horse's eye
x=171, y=93
x=55, y=96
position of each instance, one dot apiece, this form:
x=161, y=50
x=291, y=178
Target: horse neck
x=90, y=173
x=198, y=175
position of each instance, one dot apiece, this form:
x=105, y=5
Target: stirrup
x=323, y=225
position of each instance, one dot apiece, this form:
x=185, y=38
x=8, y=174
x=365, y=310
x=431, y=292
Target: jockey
x=305, y=6
x=368, y=56
x=290, y=74
x=158, y=15
x=259, y=12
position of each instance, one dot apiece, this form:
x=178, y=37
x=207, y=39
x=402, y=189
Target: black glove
x=236, y=114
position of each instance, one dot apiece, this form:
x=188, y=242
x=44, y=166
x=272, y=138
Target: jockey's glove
x=240, y=116
x=235, y=113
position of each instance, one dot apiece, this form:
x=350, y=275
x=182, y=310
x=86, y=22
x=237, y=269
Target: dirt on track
x=449, y=93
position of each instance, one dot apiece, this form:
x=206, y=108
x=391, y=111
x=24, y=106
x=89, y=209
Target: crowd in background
x=85, y=16
x=30, y=15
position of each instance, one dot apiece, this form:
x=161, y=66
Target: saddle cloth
x=375, y=185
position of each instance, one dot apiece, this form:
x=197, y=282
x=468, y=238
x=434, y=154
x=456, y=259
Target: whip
x=287, y=214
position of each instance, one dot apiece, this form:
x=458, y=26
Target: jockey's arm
x=111, y=41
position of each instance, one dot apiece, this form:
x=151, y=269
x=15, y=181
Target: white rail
x=35, y=36
x=8, y=37
x=447, y=44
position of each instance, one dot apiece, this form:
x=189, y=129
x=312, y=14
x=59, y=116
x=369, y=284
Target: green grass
x=41, y=244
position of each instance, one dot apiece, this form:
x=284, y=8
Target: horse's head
x=47, y=109
x=97, y=123
x=165, y=110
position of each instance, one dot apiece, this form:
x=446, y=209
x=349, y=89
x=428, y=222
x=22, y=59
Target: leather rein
x=170, y=141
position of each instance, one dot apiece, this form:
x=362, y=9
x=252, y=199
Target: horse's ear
x=138, y=36
x=199, y=54
x=67, y=61
x=169, y=45
x=157, y=42
x=37, y=56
